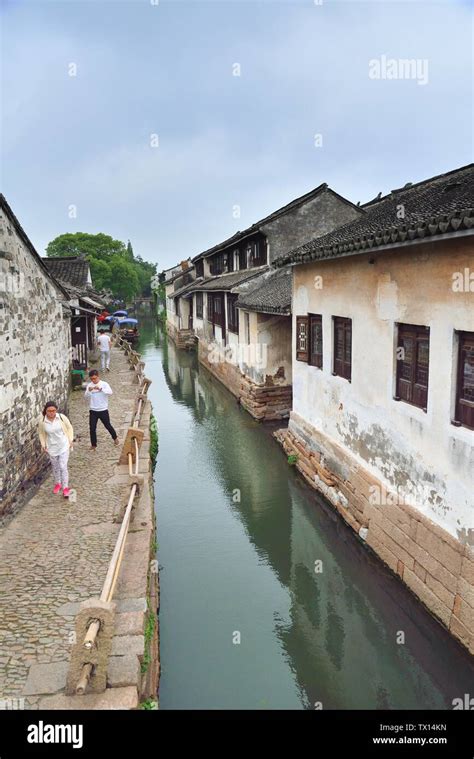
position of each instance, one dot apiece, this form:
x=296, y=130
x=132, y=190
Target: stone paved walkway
x=55, y=553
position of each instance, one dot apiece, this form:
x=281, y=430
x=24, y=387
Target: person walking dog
x=97, y=392
x=56, y=436
x=104, y=341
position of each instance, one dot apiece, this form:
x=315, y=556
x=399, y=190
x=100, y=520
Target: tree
x=74, y=244
x=129, y=253
x=113, y=264
x=125, y=283
x=101, y=274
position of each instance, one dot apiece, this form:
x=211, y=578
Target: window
x=230, y=260
x=301, y=338
x=200, y=268
x=342, y=347
x=217, y=264
x=247, y=327
x=242, y=258
x=315, y=340
x=464, y=414
x=199, y=305
x=232, y=313
x=413, y=356
x=216, y=308
x=259, y=253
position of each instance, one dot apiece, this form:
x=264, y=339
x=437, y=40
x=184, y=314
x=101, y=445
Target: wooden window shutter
x=315, y=340
x=302, y=338
x=465, y=381
x=343, y=347
x=413, y=365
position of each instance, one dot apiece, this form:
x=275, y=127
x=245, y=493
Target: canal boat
x=128, y=329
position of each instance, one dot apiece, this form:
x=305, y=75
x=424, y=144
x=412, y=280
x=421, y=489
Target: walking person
x=56, y=436
x=104, y=341
x=98, y=392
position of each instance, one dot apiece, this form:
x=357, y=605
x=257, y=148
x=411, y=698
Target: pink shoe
x=57, y=488
x=66, y=492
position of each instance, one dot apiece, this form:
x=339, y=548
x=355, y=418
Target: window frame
x=199, y=305
x=340, y=366
x=464, y=339
x=302, y=352
x=232, y=324
x=199, y=268
x=315, y=319
x=418, y=333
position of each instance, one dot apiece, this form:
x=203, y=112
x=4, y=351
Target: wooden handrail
x=117, y=555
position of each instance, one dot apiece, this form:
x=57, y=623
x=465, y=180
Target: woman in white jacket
x=56, y=436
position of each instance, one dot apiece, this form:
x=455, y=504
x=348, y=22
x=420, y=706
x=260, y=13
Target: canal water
x=268, y=601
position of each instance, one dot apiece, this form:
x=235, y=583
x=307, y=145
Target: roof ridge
x=413, y=185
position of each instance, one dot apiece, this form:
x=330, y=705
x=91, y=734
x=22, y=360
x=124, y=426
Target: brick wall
x=264, y=402
x=34, y=361
x=436, y=566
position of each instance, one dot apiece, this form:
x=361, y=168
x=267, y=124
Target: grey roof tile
x=70, y=269
x=440, y=205
x=270, y=293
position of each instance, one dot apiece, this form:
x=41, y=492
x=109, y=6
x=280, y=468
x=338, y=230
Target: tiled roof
x=270, y=293
x=226, y=281
x=70, y=269
x=4, y=206
x=271, y=217
x=441, y=205
x=186, y=288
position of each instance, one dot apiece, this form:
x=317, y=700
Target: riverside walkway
x=54, y=554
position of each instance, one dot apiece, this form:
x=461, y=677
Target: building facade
x=241, y=307
x=383, y=385
x=73, y=274
x=35, y=356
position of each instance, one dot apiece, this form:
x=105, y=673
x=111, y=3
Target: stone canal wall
x=437, y=567
x=55, y=556
x=265, y=402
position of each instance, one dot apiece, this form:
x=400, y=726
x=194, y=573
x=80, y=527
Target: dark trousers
x=94, y=417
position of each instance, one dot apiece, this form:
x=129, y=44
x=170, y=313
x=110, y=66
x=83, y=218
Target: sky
x=174, y=124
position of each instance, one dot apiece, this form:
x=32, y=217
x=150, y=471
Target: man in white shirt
x=97, y=393
x=104, y=341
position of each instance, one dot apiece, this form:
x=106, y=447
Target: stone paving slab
x=46, y=678
x=55, y=552
x=112, y=698
x=123, y=671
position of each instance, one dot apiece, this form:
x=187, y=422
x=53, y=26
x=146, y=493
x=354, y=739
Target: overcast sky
x=168, y=69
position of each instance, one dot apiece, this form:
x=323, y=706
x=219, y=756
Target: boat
x=128, y=329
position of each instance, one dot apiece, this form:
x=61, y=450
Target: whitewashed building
x=382, y=421
x=239, y=307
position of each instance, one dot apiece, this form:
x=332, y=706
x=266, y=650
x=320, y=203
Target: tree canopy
x=113, y=264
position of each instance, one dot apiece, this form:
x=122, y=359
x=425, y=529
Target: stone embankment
x=438, y=569
x=55, y=554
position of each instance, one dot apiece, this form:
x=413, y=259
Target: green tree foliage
x=113, y=264
x=101, y=273
x=125, y=279
x=73, y=244
x=129, y=251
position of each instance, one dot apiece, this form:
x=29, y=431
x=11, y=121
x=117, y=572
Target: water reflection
x=242, y=539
